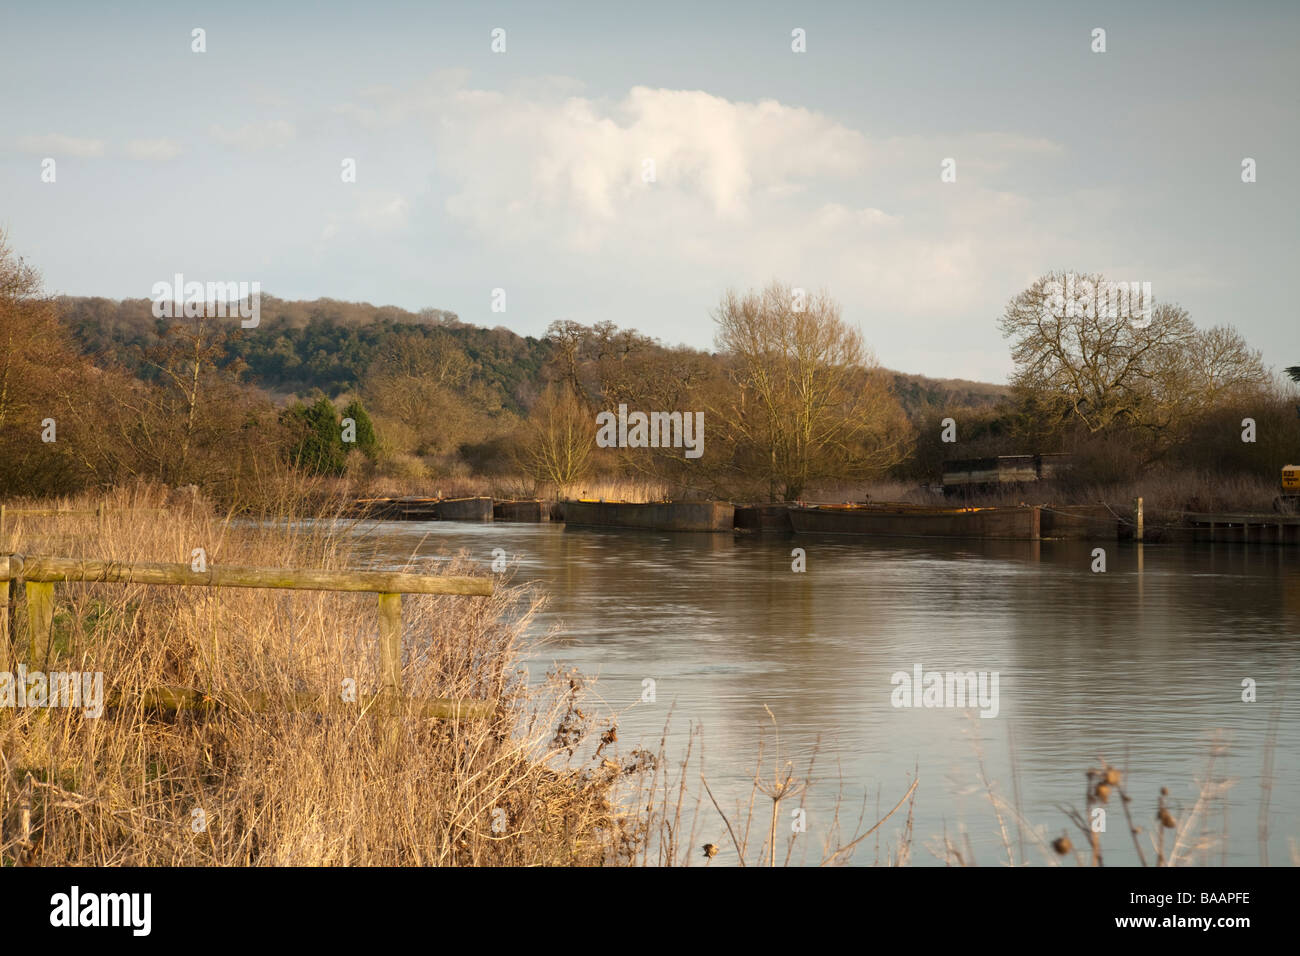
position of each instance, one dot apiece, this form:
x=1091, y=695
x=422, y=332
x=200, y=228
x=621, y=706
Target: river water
x=1141, y=665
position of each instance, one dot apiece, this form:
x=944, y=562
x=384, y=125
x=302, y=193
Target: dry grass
x=318, y=495
x=275, y=786
x=1172, y=493
x=617, y=489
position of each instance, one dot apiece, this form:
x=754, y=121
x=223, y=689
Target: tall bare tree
x=426, y=384
x=558, y=438
x=1080, y=360
x=809, y=401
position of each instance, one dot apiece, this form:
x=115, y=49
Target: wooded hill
x=302, y=347
x=328, y=346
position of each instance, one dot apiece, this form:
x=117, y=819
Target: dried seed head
x=710, y=850
x=1062, y=845
x=1103, y=792
x=1112, y=776
x=1167, y=818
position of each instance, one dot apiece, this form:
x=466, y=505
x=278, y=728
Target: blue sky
x=523, y=170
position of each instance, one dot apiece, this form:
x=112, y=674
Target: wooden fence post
x=1137, y=518
x=25, y=812
x=4, y=612
x=40, y=616
x=390, y=642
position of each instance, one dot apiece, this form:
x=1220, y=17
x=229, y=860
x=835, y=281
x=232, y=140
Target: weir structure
x=714, y=516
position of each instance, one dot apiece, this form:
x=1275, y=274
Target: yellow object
x=1291, y=478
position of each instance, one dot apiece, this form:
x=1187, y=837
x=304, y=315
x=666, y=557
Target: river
x=1141, y=665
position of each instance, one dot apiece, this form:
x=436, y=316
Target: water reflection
x=1142, y=664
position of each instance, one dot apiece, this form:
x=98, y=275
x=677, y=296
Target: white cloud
x=575, y=168
x=760, y=187
x=56, y=145
x=159, y=150
x=743, y=192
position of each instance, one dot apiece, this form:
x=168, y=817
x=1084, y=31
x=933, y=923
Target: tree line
x=796, y=401
x=96, y=392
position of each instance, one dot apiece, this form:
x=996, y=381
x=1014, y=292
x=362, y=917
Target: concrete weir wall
x=1019, y=522
x=465, y=509
x=526, y=510
x=764, y=519
x=1080, y=523
x=713, y=516
x=396, y=509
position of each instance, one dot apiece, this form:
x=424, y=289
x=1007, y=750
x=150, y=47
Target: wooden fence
x=6, y=513
x=40, y=574
x=99, y=512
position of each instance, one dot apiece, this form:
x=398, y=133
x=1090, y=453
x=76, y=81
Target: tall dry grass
x=314, y=495
x=274, y=786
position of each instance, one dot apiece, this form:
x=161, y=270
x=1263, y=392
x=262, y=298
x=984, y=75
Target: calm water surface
x=1142, y=665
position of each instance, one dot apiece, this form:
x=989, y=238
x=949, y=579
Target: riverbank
x=247, y=778
x=883, y=519
x=566, y=760
x=1070, y=508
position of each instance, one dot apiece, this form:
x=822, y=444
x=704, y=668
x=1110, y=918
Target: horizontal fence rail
x=40, y=573
x=223, y=576
x=99, y=512
x=170, y=697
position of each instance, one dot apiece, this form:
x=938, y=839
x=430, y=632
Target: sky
x=526, y=170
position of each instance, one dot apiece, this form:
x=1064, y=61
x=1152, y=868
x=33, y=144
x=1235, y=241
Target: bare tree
x=1218, y=367
x=1080, y=359
x=559, y=437
x=186, y=361
x=567, y=339
x=426, y=384
x=809, y=401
